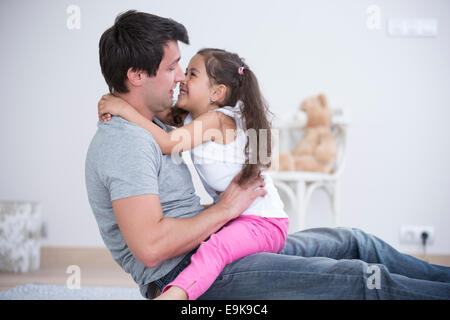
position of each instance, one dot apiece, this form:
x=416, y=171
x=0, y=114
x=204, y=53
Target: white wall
x=397, y=89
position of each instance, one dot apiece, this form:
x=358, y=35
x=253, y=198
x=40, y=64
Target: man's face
x=158, y=90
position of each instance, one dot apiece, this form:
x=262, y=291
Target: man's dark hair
x=136, y=40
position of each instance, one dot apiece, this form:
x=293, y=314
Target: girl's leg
x=240, y=237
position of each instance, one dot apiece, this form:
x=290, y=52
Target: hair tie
x=241, y=70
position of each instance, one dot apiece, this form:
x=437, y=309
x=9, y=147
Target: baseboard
x=78, y=255
x=439, y=259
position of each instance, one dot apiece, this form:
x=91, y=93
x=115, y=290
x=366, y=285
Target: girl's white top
x=217, y=164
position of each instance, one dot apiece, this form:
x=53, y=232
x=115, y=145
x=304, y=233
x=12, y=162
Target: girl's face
x=196, y=90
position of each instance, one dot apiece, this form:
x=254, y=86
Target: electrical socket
x=413, y=234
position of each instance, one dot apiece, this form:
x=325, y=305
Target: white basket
x=20, y=236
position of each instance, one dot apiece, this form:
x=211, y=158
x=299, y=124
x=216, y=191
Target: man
x=152, y=222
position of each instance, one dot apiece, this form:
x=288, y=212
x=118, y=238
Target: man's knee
x=352, y=233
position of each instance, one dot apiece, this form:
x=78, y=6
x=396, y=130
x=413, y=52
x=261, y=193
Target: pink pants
x=238, y=238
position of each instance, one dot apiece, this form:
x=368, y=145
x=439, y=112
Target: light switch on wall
x=412, y=27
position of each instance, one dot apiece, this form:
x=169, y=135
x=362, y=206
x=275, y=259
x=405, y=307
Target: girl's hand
x=111, y=105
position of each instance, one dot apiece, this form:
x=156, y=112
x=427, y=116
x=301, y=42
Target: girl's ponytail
x=255, y=113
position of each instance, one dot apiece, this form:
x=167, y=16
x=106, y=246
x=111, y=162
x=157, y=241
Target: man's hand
x=236, y=199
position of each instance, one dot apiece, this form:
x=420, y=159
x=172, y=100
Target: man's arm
x=152, y=238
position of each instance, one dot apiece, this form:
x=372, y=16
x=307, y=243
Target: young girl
x=220, y=98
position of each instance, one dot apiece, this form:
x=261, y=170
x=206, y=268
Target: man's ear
x=220, y=92
x=135, y=77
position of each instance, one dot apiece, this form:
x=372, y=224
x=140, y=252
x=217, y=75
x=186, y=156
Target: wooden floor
x=97, y=268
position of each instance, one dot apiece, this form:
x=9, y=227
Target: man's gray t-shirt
x=123, y=160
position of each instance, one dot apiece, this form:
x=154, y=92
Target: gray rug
x=36, y=291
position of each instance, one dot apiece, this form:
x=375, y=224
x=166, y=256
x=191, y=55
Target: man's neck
x=138, y=104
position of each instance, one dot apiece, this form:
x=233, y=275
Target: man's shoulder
x=122, y=161
x=119, y=131
x=120, y=126
x=120, y=140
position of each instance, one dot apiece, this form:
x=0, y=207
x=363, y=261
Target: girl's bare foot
x=173, y=293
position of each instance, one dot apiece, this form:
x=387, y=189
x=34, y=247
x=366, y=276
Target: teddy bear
x=316, y=151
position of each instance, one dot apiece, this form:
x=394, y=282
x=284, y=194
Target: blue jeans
x=328, y=263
